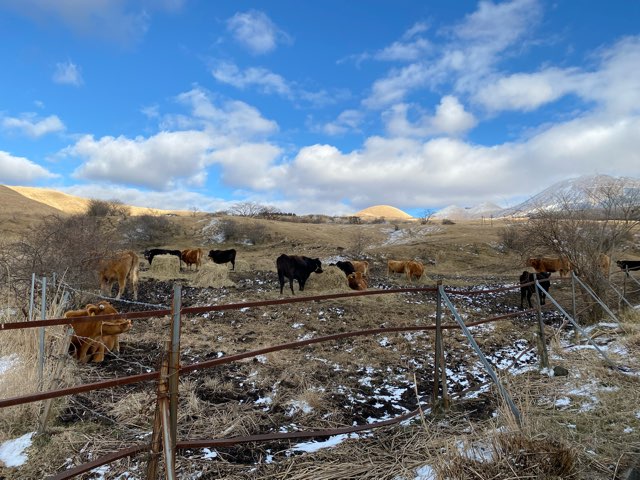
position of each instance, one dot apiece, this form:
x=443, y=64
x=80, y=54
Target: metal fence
x=165, y=442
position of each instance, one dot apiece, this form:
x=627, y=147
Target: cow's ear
x=93, y=310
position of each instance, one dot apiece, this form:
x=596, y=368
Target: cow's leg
x=83, y=354
x=98, y=356
x=281, y=281
x=291, y=285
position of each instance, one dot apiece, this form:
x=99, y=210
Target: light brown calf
x=356, y=281
x=413, y=270
x=550, y=264
x=119, y=267
x=361, y=266
x=395, y=266
x=91, y=338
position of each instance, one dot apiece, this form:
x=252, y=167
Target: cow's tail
x=133, y=273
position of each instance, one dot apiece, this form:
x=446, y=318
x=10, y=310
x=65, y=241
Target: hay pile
x=212, y=275
x=331, y=278
x=165, y=267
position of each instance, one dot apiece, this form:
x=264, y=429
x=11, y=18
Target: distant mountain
x=454, y=212
x=574, y=190
x=383, y=211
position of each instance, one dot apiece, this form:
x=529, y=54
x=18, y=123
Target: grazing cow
x=395, y=266
x=604, y=263
x=361, y=266
x=526, y=291
x=413, y=270
x=192, y=256
x=296, y=267
x=628, y=265
x=346, y=267
x=550, y=264
x=149, y=254
x=91, y=338
x=356, y=281
x=224, y=256
x=119, y=267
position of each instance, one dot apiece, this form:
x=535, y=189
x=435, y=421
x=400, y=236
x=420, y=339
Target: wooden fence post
x=43, y=316
x=161, y=399
x=174, y=365
x=439, y=367
x=542, y=343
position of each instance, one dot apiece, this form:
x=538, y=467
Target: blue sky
x=317, y=107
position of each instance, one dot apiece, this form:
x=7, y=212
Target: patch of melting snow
x=425, y=473
x=298, y=406
x=477, y=451
x=563, y=402
x=8, y=362
x=12, y=452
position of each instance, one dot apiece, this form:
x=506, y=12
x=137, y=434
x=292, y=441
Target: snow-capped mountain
x=581, y=192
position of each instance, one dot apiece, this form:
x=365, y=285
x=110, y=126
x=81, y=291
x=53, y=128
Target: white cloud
x=450, y=118
x=68, y=73
x=263, y=79
x=347, y=121
x=469, y=54
x=119, y=21
x=29, y=124
x=20, y=170
x=255, y=31
x=227, y=135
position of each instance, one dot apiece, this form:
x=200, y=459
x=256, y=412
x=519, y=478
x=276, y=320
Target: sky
x=321, y=107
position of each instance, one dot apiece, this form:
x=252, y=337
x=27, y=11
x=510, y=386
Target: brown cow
x=91, y=338
x=192, y=256
x=413, y=270
x=361, y=266
x=395, y=266
x=119, y=267
x=550, y=264
x=356, y=281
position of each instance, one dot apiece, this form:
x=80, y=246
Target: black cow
x=628, y=265
x=296, y=267
x=346, y=267
x=527, y=291
x=149, y=254
x=224, y=256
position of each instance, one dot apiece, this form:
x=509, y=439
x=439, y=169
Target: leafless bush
x=447, y=221
x=68, y=246
x=104, y=208
x=514, y=237
x=146, y=229
x=233, y=231
x=359, y=244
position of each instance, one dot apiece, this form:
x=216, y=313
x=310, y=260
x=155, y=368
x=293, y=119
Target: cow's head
x=318, y=265
x=115, y=327
x=102, y=308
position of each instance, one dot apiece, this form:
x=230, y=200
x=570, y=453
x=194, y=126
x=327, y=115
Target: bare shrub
x=359, y=245
x=447, y=221
x=514, y=237
x=104, y=208
x=145, y=229
x=233, y=231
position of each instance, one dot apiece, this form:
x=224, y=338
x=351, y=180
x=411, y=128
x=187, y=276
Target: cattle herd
x=92, y=339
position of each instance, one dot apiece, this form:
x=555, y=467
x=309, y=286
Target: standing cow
x=296, y=267
x=224, y=256
x=528, y=287
x=118, y=268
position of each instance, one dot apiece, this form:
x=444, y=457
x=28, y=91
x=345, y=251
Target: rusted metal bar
x=9, y=402
x=505, y=395
x=63, y=392
x=174, y=367
x=156, y=435
x=98, y=462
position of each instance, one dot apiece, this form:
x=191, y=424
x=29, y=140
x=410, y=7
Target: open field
x=584, y=425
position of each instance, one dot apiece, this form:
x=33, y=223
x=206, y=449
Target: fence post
x=436, y=351
x=174, y=365
x=542, y=342
x=573, y=297
x=158, y=426
x=43, y=316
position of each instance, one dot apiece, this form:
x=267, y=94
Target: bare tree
x=103, y=208
x=584, y=225
x=246, y=209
